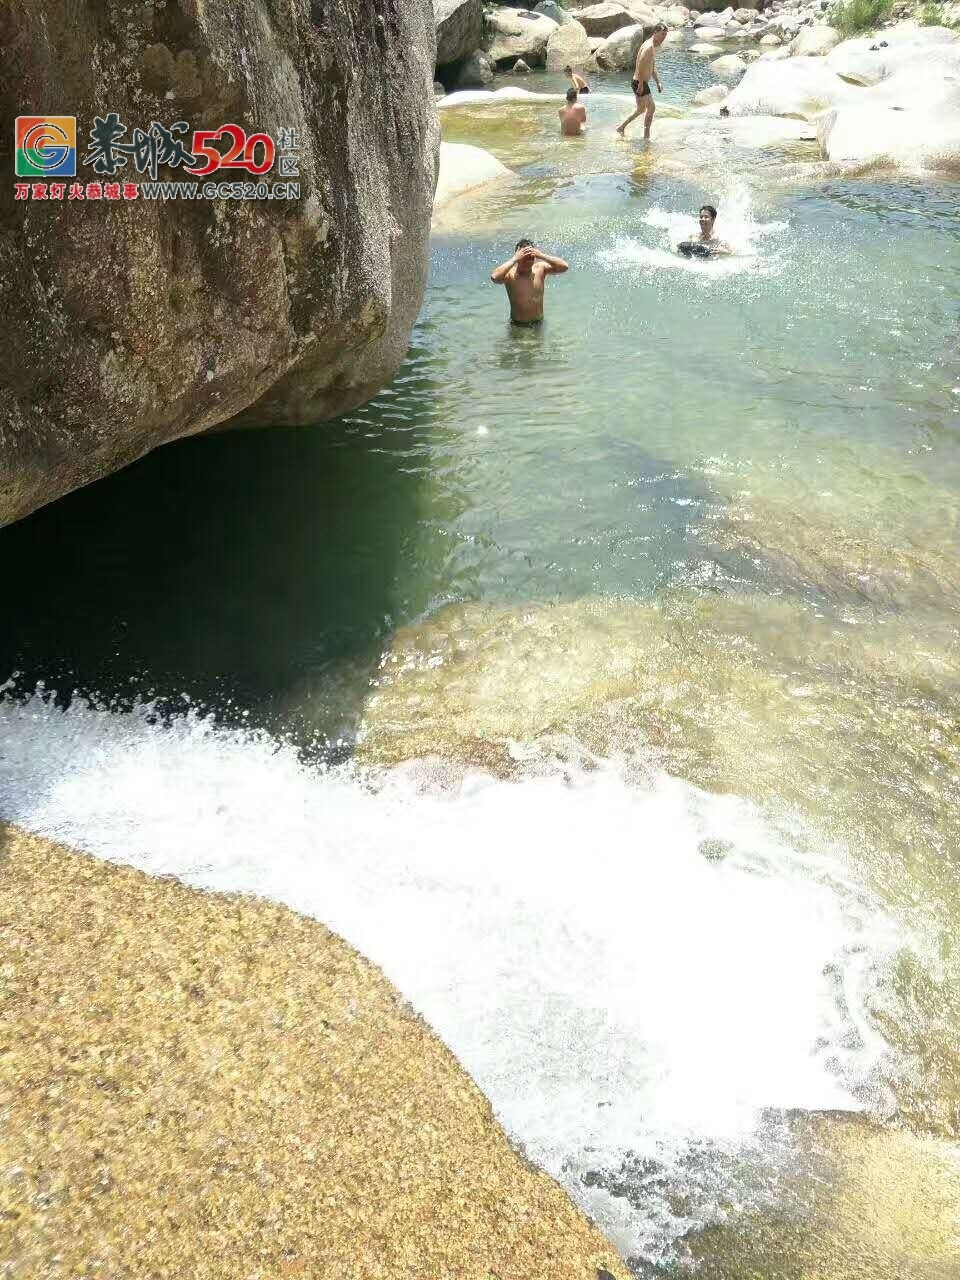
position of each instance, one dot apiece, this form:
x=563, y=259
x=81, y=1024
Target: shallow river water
x=599, y=681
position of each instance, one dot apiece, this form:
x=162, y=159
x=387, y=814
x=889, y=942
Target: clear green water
x=704, y=519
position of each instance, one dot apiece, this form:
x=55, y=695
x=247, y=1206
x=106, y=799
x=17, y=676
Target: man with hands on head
x=524, y=276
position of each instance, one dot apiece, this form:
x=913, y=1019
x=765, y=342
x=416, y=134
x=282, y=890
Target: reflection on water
x=700, y=525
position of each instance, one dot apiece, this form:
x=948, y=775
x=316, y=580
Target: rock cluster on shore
x=602, y=35
x=884, y=101
x=208, y=1086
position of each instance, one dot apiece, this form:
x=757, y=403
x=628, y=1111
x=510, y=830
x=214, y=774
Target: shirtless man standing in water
x=644, y=72
x=524, y=276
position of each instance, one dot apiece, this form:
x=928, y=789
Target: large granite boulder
x=604, y=18
x=815, y=41
x=901, y=108
x=862, y=61
x=619, y=51
x=797, y=87
x=127, y=324
x=517, y=33
x=473, y=72
x=569, y=46
x=728, y=65
x=903, y=140
x=676, y=17
x=644, y=14
x=236, y=1090
x=459, y=29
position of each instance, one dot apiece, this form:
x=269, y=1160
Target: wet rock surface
x=232, y=1087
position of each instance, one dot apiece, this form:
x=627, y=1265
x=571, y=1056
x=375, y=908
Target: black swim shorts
x=640, y=91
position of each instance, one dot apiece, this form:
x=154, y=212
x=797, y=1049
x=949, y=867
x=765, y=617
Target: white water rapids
x=628, y=972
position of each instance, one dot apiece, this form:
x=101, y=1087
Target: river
x=600, y=682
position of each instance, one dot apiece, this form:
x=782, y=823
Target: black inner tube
x=694, y=249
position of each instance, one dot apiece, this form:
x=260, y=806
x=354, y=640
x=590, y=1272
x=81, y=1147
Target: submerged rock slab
x=130, y=324
x=865, y=1203
x=463, y=167
x=208, y=1086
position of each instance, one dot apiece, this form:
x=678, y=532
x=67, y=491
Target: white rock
x=858, y=63
x=713, y=94
x=463, y=167
x=729, y=65
x=706, y=50
x=815, y=41
x=906, y=140
x=619, y=51
x=771, y=41
x=675, y=18
x=604, y=19
x=569, y=45
x=517, y=33
x=786, y=26
x=640, y=12
x=710, y=34
x=785, y=86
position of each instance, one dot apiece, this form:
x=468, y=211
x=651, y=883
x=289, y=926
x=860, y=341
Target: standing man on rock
x=644, y=72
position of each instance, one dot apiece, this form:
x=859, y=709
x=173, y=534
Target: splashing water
x=736, y=224
x=631, y=973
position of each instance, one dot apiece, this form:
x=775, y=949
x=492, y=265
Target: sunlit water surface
x=599, y=681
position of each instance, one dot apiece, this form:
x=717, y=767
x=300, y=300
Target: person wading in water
x=645, y=71
x=577, y=80
x=707, y=245
x=524, y=276
x=572, y=117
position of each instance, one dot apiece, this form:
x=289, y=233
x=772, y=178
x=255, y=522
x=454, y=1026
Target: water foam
x=737, y=225
x=630, y=973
